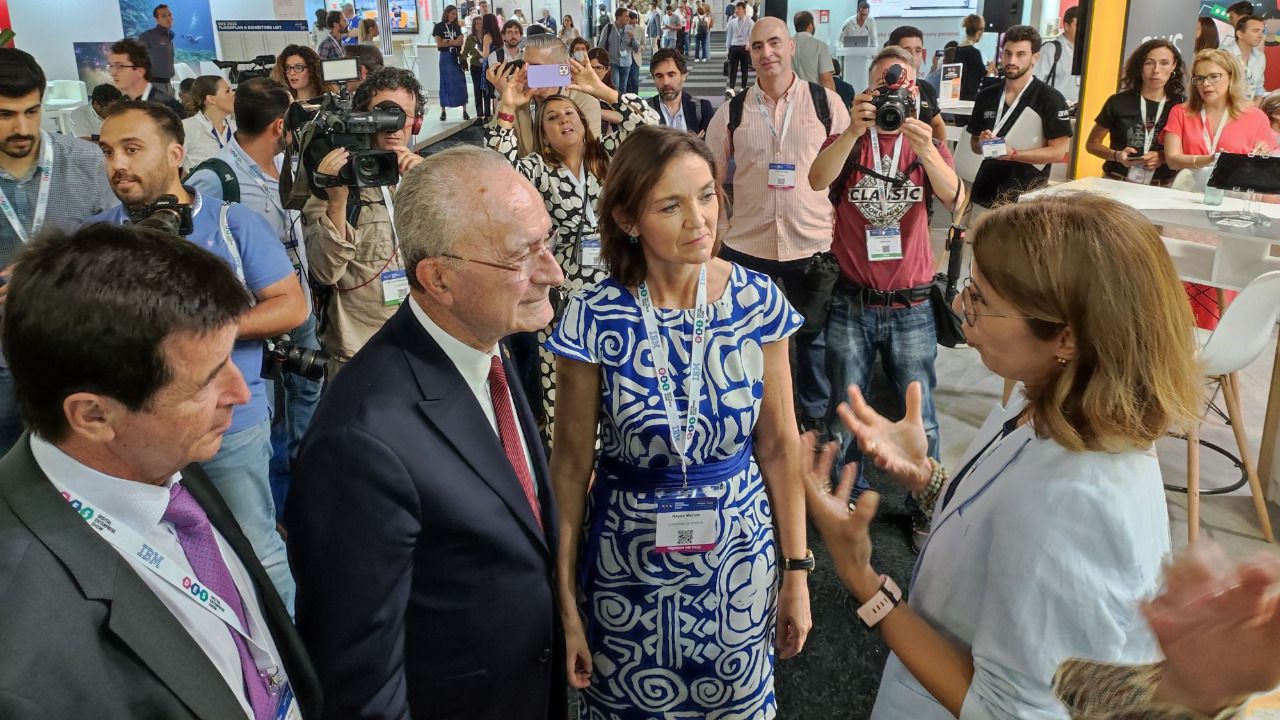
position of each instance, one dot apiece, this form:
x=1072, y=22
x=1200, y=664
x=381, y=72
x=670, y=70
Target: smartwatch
x=807, y=563
x=882, y=603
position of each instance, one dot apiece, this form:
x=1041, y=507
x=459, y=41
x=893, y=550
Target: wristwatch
x=807, y=563
x=880, y=604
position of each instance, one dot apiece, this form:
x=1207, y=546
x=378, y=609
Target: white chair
x=182, y=71
x=409, y=51
x=1241, y=336
x=208, y=68
x=61, y=98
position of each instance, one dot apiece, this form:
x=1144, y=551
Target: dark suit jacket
x=697, y=113
x=424, y=583
x=81, y=635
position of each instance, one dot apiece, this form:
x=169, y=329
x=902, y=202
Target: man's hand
x=920, y=135
x=407, y=160
x=333, y=164
x=1122, y=157
x=985, y=135
x=862, y=113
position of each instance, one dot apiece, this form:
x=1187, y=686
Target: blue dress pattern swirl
x=673, y=634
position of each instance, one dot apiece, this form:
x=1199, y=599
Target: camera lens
x=889, y=118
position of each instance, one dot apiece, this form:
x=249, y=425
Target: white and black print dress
x=573, y=212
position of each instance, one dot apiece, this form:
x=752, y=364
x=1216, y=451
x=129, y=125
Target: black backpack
x=226, y=176
x=1057, y=55
x=656, y=100
x=820, y=106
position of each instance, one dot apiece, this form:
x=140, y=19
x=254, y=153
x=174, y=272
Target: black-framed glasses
x=524, y=266
x=1211, y=78
x=300, y=67
x=118, y=66
x=968, y=301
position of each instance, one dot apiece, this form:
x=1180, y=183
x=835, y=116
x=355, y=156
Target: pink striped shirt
x=772, y=223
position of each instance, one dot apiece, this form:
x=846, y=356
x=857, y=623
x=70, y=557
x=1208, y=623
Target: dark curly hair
x=1175, y=88
x=309, y=58
x=389, y=78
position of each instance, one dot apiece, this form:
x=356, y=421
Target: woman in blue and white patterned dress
x=668, y=579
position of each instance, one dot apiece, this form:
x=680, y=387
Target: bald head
x=771, y=51
x=436, y=215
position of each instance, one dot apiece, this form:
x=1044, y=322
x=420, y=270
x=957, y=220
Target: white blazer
x=203, y=142
x=1042, y=554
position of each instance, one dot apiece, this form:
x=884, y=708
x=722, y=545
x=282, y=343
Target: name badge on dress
x=884, y=243
x=782, y=176
x=589, y=251
x=686, y=522
x=1140, y=175
x=994, y=147
x=395, y=287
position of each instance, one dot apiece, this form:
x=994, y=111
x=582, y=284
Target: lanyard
x=886, y=187
x=391, y=212
x=768, y=120
x=133, y=545
x=580, y=184
x=1001, y=114
x=252, y=170
x=1149, y=134
x=214, y=132
x=1212, y=146
x=42, y=198
x=661, y=362
x=977, y=459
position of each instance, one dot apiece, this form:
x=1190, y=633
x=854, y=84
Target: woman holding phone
x=1154, y=83
x=449, y=41
x=568, y=167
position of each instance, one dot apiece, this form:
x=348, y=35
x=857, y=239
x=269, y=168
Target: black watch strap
x=806, y=563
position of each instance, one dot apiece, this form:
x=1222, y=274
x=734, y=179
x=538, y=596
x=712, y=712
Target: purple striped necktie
x=195, y=535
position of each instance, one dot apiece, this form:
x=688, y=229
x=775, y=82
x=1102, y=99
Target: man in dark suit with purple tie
x=422, y=527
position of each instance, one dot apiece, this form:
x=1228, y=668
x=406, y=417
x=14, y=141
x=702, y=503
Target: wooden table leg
x=1270, y=427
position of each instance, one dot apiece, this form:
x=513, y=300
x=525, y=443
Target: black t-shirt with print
x=448, y=32
x=1003, y=179
x=1123, y=120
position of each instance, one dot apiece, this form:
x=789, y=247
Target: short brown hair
x=1097, y=267
x=1023, y=33
x=137, y=53
x=665, y=54
x=636, y=168
x=164, y=118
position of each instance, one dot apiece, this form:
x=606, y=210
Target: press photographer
x=142, y=146
x=880, y=172
x=351, y=244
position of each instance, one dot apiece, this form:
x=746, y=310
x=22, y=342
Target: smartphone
x=546, y=76
x=939, y=53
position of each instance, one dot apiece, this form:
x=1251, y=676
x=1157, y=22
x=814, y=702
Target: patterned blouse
x=1102, y=691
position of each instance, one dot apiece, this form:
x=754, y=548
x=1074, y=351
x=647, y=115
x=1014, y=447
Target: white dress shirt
x=738, y=31
x=1255, y=69
x=141, y=507
x=1063, y=81
x=203, y=141
x=676, y=121
x=1041, y=555
x=474, y=366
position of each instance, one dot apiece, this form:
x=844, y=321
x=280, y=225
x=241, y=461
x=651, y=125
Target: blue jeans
x=703, y=46
x=907, y=341
x=239, y=472
x=633, y=79
x=668, y=42
x=619, y=77
x=10, y=423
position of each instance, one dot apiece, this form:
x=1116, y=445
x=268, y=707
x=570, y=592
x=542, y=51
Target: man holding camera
x=780, y=226
x=1008, y=171
x=143, y=148
x=880, y=172
x=350, y=241
x=254, y=158
x=47, y=180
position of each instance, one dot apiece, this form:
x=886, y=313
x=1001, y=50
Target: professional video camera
x=894, y=101
x=166, y=213
x=258, y=67
x=282, y=354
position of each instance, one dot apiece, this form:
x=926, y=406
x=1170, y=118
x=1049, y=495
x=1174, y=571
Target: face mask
x=580, y=56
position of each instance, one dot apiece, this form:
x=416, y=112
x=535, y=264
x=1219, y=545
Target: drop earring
x=633, y=239
x=1062, y=362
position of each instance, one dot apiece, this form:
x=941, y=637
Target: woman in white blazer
x=212, y=121
x=1054, y=527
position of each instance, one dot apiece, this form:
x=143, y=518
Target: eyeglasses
x=524, y=266
x=968, y=300
x=299, y=68
x=1211, y=78
x=118, y=66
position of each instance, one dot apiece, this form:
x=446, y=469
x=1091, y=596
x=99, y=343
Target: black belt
x=884, y=298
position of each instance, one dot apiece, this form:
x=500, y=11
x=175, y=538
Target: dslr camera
x=284, y=355
x=321, y=127
x=258, y=67
x=166, y=214
x=894, y=101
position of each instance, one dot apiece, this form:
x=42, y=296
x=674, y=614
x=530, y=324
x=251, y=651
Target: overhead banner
x=247, y=39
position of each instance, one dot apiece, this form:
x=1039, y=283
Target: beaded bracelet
x=928, y=495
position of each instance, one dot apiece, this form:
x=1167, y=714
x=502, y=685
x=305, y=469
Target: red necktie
x=509, y=432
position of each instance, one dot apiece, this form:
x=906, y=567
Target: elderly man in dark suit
x=421, y=522
x=127, y=590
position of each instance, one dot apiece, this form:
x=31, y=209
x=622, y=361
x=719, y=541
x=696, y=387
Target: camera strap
x=391, y=213
x=42, y=198
x=878, y=160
